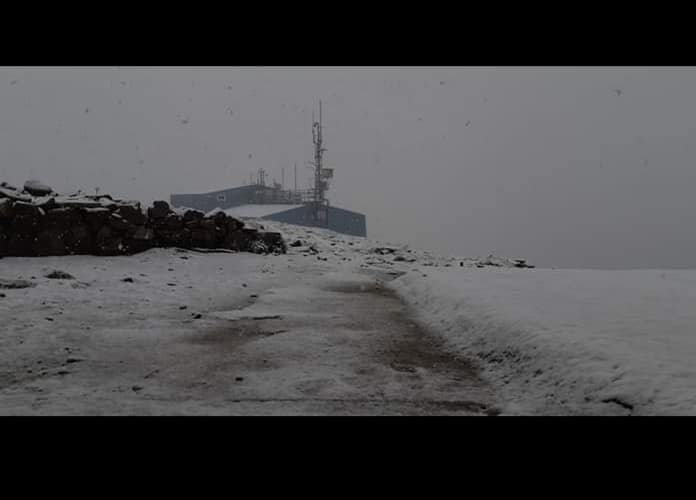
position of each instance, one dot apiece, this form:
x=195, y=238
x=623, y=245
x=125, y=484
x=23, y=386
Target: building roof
x=258, y=210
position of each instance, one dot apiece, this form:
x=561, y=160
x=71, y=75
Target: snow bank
x=570, y=341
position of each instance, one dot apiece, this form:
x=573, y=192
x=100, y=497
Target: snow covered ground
x=570, y=341
x=170, y=331
x=183, y=332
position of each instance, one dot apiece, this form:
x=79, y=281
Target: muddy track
x=322, y=344
x=369, y=357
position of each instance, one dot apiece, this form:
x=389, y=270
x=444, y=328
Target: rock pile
x=36, y=221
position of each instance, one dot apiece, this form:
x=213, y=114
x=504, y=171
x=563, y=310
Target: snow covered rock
x=258, y=247
x=76, y=202
x=36, y=188
x=383, y=250
x=15, y=284
x=274, y=242
x=59, y=275
x=51, y=224
x=192, y=215
x=13, y=194
x=214, y=212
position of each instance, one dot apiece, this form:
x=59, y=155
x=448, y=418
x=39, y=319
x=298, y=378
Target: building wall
x=340, y=220
x=226, y=198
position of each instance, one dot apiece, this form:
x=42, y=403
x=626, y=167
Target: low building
x=264, y=202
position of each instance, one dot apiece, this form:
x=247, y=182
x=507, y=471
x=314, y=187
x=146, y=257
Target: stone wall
x=37, y=222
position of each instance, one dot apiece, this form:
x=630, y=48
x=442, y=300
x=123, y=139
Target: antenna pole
x=317, y=138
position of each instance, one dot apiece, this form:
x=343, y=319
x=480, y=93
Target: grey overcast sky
x=567, y=167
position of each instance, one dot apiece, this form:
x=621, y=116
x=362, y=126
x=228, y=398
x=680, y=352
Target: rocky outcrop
x=38, y=222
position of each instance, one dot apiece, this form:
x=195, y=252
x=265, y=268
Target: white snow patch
x=570, y=341
x=214, y=211
x=14, y=195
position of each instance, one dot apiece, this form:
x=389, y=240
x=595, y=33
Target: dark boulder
x=220, y=219
x=50, y=242
x=193, y=224
x=23, y=209
x=6, y=209
x=36, y=188
x=3, y=241
x=120, y=224
x=159, y=210
x=237, y=241
x=26, y=219
x=274, y=242
x=96, y=217
x=20, y=245
x=15, y=284
x=132, y=214
x=203, y=238
x=173, y=238
x=131, y=246
x=104, y=234
x=173, y=222
x=193, y=215
x=383, y=250
x=111, y=246
x=207, y=225
x=59, y=275
x=234, y=224
x=61, y=218
x=79, y=240
x=143, y=233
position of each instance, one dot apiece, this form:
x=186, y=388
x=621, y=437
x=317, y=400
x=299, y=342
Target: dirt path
x=334, y=348
x=320, y=345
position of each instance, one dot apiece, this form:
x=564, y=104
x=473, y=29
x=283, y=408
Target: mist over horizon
x=565, y=167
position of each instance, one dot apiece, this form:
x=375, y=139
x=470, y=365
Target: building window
x=221, y=197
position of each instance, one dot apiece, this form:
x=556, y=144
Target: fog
x=566, y=167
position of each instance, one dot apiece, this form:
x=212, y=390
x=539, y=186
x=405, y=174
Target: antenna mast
x=318, y=140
